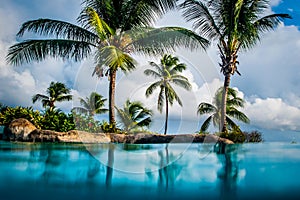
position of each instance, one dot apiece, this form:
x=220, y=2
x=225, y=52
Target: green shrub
x=110, y=128
x=9, y=114
x=87, y=123
x=253, y=136
x=57, y=120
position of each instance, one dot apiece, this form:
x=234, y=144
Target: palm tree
x=134, y=115
x=56, y=92
x=113, y=29
x=91, y=105
x=235, y=25
x=167, y=73
x=232, y=103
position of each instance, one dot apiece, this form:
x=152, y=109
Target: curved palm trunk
x=223, y=123
x=167, y=112
x=112, y=90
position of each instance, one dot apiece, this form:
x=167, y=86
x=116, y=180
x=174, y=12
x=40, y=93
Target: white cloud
x=275, y=2
x=273, y=113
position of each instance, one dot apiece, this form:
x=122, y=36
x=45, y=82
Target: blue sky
x=269, y=83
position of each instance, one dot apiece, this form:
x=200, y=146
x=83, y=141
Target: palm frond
x=38, y=50
x=233, y=112
x=152, y=87
x=182, y=83
x=232, y=124
x=64, y=98
x=115, y=58
x=39, y=97
x=81, y=110
x=160, y=100
x=96, y=23
x=150, y=72
x=206, y=108
x=203, y=21
x=206, y=124
x=152, y=41
x=59, y=29
x=172, y=95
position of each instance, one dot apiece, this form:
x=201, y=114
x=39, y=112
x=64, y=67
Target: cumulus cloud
x=273, y=113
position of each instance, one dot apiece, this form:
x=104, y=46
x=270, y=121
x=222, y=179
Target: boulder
x=145, y=138
x=73, y=136
x=19, y=129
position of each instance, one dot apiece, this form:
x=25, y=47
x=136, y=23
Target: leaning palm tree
x=112, y=30
x=167, y=73
x=233, y=102
x=134, y=116
x=56, y=92
x=235, y=25
x=91, y=105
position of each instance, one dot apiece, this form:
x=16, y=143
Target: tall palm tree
x=134, y=115
x=92, y=105
x=113, y=29
x=235, y=25
x=167, y=73
x=232, y=104
x=56, y=92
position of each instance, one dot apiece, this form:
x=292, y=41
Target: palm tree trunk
x=167, y=112
x=112, y=90
x=223, y=123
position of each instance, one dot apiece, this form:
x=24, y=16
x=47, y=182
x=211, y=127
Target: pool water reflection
x=158, y=171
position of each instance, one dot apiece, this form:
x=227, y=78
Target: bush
x=57, y=120
x=241, y=137
x=9, y=114
x=253, y=136
x=87, y=123
x=110, y=128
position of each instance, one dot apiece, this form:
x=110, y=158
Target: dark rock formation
x=144, y=138
x=23, y=130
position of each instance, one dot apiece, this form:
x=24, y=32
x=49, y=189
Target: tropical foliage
x=133, y=116
x=9, y=114
x=113, y=29
x=168, y=73
x=233, y=102
x=235, y=25
x=56, y=92
x=91, y=105
x=56, y=120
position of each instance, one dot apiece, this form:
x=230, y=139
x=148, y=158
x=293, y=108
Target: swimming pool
x=155, y=171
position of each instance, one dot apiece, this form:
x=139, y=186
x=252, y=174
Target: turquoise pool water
x=174, y=171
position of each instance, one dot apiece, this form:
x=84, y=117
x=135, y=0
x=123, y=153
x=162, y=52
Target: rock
x=144, y=138
x=19, y=129
x=73, y=136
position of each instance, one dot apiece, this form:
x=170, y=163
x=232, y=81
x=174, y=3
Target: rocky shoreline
x=24, y=131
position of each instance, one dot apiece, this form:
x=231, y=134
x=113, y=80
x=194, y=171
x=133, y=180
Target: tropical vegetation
x=235, y=25
x=167, y=73
x=56, y=92
x=113, y=29
x=134, y=116
x=91, y=105
x=233, y=102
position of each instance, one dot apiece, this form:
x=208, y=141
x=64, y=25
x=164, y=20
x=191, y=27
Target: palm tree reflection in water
x=229, y=173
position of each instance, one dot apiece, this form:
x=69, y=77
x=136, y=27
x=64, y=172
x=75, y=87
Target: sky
x=269, y=83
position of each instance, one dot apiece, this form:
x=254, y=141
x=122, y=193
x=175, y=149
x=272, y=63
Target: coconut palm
x=134, y=115
x=56, y=92
x=235, y=25
x=91, y=105
x=167, y=73
x=112, y=30
x=233, y=102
